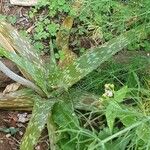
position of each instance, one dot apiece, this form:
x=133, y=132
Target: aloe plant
x=49, y=84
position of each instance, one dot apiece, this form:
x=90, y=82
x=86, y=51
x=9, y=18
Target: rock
x=24, y=2
x=22, y=117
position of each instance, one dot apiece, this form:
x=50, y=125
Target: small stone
x=8, y=135
x=20, y=132
x=1, y=141
x=20, y=125
x=24, y=2
x=22, y=117
x=37, y=147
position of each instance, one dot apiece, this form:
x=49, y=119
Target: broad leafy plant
x=48, y=86
x=97, y=21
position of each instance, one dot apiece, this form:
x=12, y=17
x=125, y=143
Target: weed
x=71, y=100
x=99, y=21
x=50, y=94
x=10, y=18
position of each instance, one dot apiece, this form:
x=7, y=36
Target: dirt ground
x=21, y=14
x=6, y=142
x=9, y=119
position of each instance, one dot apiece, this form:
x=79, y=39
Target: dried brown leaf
x=11, y=88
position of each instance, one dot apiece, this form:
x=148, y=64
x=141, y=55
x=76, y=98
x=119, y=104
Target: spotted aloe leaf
x=62, y=41
x=24, y=103
x=37, y=123
x=62, y=38
x=12, y=41
x=20, y=44
x=22, y=53
x=7, y=45
x=18, y=100
x=24, y=100
x=94, y=58
x=35, y=71
x=85, y=100
x=51, y=127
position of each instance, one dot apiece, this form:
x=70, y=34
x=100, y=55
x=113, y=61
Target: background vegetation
x=97, y=107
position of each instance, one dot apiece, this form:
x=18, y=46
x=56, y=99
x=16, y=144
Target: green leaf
x=37, y=123
x=10, y=130
x=51, y=132
x=35, y=71
x=120, y=94
x=20, y=44
x=133, y=80
x=64, y=115
x=26, y=56
x=96, y=56
x=143, y=132
x=111, y=114
x=12, y=19
x=39, y=46
x=128, y=119
x=52, y=28
x=126, y=115
x=2, y=17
